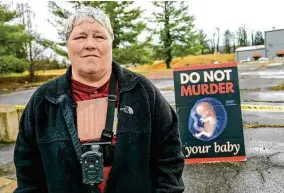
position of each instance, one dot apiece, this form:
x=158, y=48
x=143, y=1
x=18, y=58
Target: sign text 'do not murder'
x=208, y=106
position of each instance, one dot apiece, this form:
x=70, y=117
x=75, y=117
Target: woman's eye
x=80, y=37
x=100, y=37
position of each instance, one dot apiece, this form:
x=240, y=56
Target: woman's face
x=89, y=48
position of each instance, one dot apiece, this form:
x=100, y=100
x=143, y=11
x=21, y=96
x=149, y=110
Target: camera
x=95, y=156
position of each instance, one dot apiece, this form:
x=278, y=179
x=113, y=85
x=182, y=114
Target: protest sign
x=208, y=106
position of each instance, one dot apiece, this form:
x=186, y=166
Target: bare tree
x=212, y=43
x=33, y=48
x=242, y=36
x=228, y=41
x=252, y=38
x=218, y=38
x=234, y=42
x=258, y=40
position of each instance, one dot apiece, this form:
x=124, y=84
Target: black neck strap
x=107, y=133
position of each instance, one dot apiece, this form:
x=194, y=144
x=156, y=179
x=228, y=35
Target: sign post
x=210, y=119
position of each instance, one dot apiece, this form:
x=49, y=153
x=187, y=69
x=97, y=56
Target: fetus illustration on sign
x=207, y=119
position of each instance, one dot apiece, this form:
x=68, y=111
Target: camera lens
x=91, y=160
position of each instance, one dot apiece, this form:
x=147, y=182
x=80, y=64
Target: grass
x=184, y=61
x=26, y=73
x=277, y=88
x=16, y=81
x=250, y=89
x=56, y=72
x=157, y=66
x=51, y=72
x=19, y=83
x=169, y=88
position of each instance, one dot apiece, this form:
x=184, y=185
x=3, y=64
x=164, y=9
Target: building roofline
x=251, y=49
x=248, y=48
x=274, y=30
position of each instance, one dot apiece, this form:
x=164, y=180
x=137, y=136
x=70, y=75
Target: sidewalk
x=7, y=169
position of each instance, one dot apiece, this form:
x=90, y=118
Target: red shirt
x=82, y=92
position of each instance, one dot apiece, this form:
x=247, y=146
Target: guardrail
x=10, y=116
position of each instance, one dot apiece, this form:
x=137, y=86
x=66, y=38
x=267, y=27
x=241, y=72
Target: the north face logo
x=127, y=109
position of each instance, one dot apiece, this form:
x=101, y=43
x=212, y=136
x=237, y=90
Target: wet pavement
x=22, y=97
x=257, y=83
x=17, y=98
x=6, y=153
x=7, y=168
x=263, y=96
x=263, y=118
x=263, y=172
x=254, y=79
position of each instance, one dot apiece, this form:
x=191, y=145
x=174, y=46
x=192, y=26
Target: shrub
x=10, y=64
x=47, y=64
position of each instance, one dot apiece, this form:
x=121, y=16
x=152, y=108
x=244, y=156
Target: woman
x=49, y=153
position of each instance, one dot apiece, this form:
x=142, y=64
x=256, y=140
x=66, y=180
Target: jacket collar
x=61, y=87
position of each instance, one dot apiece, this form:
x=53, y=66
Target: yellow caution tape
x=265, y=108
x=20, y=107
x=262, y=108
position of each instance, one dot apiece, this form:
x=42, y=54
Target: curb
x=7, y=185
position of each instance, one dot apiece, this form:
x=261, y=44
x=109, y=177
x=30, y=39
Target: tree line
x=21, y=47
x=241, y=38
x=167, y=32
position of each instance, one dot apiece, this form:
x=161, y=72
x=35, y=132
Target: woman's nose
x=90, y=44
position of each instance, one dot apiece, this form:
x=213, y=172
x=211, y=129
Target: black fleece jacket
x=148, y=156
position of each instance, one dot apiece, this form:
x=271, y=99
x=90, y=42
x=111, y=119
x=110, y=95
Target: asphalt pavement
x=262, y=172
x=254, y=81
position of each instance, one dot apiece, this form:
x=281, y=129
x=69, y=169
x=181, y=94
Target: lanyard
x=107, y=133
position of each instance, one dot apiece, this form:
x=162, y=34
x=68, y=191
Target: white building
x=273, y=47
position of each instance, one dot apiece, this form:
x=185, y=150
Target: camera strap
x=107, y=133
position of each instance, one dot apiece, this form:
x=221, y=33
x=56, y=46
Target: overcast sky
x=226, y=14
